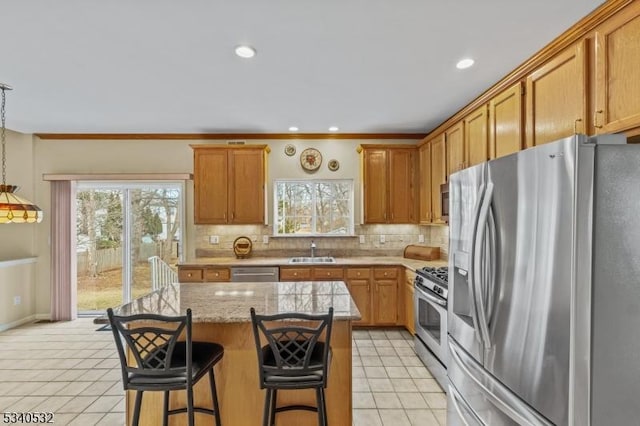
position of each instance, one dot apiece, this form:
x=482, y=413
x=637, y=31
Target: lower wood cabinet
x=198, y=274
x=375, y=292
x=407, y=293
x=359, y=284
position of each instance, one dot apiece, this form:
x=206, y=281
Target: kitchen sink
x=316, y=259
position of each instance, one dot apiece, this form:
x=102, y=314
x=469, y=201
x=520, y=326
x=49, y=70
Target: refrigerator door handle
x=491, y=265
x=496, y=392
x=473, y=272
x=465, y=413
x=478, y=262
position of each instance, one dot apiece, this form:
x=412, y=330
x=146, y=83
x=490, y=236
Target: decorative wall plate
x=289, y=149
x=242, y=247
x=310, y=159
x=333, y=165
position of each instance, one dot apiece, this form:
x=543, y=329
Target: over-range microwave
x=444, y=201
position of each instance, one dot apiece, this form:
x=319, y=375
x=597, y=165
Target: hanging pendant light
x=13, y=209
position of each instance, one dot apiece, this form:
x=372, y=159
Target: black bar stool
x=293, y=359
x=159, y=362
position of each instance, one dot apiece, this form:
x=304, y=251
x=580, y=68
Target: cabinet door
x=386, y=301
x=438, y=176
x=556, y=97
x=246, y=179
x=408, y=306
x=455, y=148
x=361, y=294
x=617, y=97
x=505, y=122
x=425, y=183
x=210, y=186
x=375, y=186
x=401, y=186
x=476, y=137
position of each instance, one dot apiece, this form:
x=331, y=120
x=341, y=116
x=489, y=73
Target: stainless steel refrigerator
x=544, y=287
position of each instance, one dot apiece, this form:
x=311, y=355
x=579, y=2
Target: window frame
x=351, y=204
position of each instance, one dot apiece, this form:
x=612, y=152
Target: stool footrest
x=297, y=407
x=196, y=409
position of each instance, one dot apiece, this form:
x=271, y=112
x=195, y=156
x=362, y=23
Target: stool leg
x=165, y=417
x=324, y=408
x=214, y=397
x=274, y=400
x=136, y=408
x=319, y=405
x=266, y=416
x=190, y=404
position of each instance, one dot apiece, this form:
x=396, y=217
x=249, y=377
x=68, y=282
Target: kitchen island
x=221, y=314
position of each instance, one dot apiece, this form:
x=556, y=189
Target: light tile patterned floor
x=391, y=386
x=72, y=370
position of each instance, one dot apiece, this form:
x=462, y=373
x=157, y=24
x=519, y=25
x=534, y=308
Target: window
x=313, y=207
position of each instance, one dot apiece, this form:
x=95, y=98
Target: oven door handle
x=431, y=298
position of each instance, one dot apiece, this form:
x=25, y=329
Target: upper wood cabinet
x=424, y=185
x=389, y=187
x=229, y=184
x=454, y=137
x=556, y=97
x=617, y=91
x=475, y=137
x=438, y=175
x=506, y=122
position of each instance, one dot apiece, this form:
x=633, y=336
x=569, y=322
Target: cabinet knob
x=189, y=274
x=385, y=274
x=295, y=274
x=358, y=274
x=217, y=274
x=328, y=274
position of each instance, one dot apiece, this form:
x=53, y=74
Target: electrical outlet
x=362, y=239
x=382, y=239
x=265, y=239
x=421, y=238
x=214, y=239
x=16, y=300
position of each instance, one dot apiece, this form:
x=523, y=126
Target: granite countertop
x=230, y=302
x=340, y=261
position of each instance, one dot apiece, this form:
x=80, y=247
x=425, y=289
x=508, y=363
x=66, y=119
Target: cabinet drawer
x=186, y=275
x=384, y=273
x=327, y=273
x=217, y=274
x=358, y=273
x=295, y=274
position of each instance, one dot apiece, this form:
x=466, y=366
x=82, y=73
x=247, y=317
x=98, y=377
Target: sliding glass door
x=119, y=227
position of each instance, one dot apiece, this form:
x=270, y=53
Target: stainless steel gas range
x=430, y=307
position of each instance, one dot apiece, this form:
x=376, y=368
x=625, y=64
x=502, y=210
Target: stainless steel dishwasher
x=254, y=273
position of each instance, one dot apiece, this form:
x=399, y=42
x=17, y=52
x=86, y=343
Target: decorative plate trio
x=311, y=159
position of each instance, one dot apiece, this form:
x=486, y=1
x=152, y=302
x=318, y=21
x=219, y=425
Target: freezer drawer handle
x=465, y=413
x=499, y=395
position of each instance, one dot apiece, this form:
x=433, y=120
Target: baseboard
x=13, y=324
x=43, y=317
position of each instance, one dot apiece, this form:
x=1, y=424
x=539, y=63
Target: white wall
x=18, y=240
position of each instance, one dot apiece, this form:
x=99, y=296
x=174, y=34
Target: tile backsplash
x=396, y=238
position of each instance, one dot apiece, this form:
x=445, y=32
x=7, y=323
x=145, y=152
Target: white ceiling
x=156, y=66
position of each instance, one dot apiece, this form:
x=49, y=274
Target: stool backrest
x=150, y=340
x=292, y=345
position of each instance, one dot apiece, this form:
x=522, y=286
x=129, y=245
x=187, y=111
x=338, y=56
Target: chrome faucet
x=313, y=249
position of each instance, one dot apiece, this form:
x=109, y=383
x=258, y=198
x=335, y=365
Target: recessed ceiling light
x=333, y=129
x=245, y=51
x=465, y=63
x=293, y=129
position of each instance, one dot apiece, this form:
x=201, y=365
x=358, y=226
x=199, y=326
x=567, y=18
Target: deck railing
x=162, y=274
